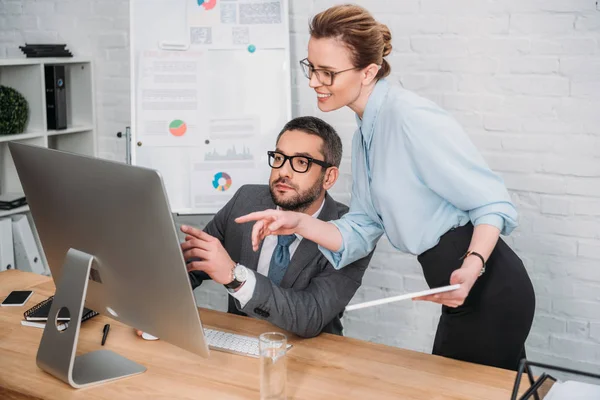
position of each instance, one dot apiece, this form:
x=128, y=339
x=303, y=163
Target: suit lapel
x=307, y=251
x=248, y=257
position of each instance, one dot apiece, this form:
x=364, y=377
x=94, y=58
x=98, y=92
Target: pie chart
x=177, y=127
x=221, y=181
x=207, y=4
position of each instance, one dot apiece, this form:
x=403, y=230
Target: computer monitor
x=108, y=234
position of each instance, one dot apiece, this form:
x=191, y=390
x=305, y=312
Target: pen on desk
x=105, y=333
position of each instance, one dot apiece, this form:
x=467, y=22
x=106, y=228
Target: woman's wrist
x=323, y=233
x=303, y=227
x=472, y=263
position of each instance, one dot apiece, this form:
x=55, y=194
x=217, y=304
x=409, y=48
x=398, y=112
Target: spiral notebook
x=40, y=312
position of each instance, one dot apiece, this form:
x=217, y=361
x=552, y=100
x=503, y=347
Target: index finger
x=195, y=232
x=258, y=234
x=254, y=216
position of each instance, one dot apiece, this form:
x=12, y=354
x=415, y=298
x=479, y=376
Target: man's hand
x=145, y=336
x=215, y=260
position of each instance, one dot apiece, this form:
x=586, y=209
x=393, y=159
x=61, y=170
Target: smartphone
x=17, y=298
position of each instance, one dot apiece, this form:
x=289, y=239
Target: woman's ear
x=369, y=73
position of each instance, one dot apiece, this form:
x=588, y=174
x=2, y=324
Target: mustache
x=286, y=182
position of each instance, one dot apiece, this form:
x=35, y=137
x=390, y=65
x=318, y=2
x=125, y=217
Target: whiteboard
x=210, y=91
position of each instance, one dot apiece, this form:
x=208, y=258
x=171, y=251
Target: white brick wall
x=522, y=76
x=98, y=29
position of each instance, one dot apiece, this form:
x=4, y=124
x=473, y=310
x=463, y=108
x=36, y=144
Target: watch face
x=240, y=273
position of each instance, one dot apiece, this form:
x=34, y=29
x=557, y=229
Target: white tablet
x=403, y=297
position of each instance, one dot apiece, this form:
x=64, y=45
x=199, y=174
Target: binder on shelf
x=548, y=387
x=45, y=50
x=8, y=201
x=7, y=255
x=27, y=256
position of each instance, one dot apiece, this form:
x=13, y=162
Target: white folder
x=7, y=255
x=27, y=255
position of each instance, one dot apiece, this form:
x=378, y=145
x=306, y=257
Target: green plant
x=14, y=111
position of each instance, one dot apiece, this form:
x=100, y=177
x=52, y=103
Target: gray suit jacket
x=312, y=294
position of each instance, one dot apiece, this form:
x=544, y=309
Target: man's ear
x=331, y=176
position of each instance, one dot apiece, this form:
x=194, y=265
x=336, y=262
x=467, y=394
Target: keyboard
x=228, y=342
x=232, y=343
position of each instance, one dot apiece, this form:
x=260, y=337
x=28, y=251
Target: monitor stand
x=56, y=354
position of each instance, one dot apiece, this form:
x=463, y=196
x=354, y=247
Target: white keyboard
x=228, y=342
x=232, y=343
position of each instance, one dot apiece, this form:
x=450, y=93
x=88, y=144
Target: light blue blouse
x=416, y=174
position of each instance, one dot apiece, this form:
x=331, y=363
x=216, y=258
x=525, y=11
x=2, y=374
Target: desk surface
x=328, y=366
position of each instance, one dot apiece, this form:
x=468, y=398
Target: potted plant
x=14, y=111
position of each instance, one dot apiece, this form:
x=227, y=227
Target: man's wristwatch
x=239, y=274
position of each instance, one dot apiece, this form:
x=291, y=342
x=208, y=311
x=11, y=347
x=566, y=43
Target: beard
x=301, y=200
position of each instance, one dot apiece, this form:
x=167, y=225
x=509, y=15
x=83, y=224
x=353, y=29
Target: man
x=287, y=282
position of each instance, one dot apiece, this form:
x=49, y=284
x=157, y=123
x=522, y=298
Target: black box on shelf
x=56, y=97
x=45, y=50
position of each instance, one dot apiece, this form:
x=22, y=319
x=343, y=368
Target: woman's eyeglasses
x=324, y=76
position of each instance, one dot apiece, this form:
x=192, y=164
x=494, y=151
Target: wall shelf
x=26, y=75
x=18, y=210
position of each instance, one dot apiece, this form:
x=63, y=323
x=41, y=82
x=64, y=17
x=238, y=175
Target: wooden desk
x=325, y=367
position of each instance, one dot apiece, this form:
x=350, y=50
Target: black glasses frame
x=310, y=160
x=309, y=70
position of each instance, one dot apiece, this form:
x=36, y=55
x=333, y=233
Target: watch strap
x=234, y=284
x=474, y=253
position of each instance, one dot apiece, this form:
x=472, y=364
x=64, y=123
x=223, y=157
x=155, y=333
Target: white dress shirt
x=245, y=293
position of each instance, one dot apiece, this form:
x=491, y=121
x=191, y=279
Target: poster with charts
x=241, y=127
x=252, y=25
x=171, y=97
x=234, y=159
x=205, y=111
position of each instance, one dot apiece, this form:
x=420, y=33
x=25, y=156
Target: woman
x=418, y=179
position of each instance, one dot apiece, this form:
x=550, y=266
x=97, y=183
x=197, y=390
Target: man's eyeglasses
x=300, y=164
x=324, y=76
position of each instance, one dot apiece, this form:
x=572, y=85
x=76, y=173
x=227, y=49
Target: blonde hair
x=368, y=40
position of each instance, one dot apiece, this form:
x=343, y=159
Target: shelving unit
x=18, y=210
x=27, y=77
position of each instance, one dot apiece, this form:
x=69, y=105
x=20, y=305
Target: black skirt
x=492, y=325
